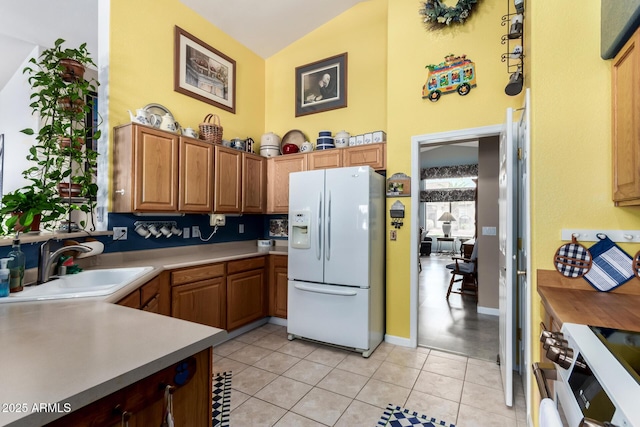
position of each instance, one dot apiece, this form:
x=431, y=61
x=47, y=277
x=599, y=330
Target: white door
x=347, y=243
x=506, y=258
x=306, y=196
x=524, y=231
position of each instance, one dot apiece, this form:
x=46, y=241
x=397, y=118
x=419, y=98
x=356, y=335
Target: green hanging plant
x=436, y=14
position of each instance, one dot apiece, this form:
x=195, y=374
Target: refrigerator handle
x=328, y=228
x=318, y=247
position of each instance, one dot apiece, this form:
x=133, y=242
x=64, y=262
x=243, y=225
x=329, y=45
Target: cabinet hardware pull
x=121, y=191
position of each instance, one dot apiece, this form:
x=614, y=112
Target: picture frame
x=399, y=185
x=321, y=85
x=203, y=72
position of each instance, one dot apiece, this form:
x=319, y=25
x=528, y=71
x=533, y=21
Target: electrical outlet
x=195, y=231
x=186, y=233
x=393, y=234
x=241, y=228
x=120, y=233
x=217, y=219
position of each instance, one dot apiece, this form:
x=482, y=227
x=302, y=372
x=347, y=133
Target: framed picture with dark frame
x=321, y=85
x=204, y=73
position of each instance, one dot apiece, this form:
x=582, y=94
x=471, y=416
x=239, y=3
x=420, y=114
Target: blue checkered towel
x=611, y=266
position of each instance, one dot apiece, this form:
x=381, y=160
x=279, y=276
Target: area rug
x=397, y=416
x=221, y=399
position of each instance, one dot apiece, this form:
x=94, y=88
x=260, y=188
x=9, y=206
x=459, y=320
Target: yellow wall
x=361, y=32
x=141, y=67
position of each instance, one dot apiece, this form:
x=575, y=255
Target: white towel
x=549, y=416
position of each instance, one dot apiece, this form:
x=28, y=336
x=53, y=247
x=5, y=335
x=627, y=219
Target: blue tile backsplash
x=255, y=227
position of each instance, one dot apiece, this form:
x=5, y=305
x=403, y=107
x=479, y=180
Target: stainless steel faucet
x=47, y=258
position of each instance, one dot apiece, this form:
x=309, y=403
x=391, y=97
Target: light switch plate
x=488, y=231
x=393, y=234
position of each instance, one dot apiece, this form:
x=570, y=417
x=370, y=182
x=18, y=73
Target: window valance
x=459, y=171
x=448, y=195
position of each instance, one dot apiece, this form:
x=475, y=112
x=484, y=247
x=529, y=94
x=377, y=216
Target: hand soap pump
x=16, y=267
x=4, y=278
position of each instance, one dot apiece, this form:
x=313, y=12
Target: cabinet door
x=155, y=170
x=278, y=285
x=278, y=170
x=228, y=178
x=325, y=159
x=196, y=176
x=132, y=300
x=626, y=123
x=245, y=298
x=200, y=302
x=153, y=305
x=373, y=155
x=254, y=183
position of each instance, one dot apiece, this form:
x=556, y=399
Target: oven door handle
x=543, y=372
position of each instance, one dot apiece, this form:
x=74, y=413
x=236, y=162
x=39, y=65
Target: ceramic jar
x=270, y=139
x=342, y=139
x=306, y=147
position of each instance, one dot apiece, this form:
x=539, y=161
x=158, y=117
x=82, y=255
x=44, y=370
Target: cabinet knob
x=121, y=191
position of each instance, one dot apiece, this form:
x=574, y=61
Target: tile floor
x=452, y=325
x=277, y=382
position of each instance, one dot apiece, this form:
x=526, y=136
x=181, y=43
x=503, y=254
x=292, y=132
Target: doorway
x=436, y=322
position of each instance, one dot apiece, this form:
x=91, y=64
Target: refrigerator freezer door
x=333, y=314
x=306, y=195
x=347, y=226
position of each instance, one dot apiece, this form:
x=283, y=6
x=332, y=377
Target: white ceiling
x=264, y=26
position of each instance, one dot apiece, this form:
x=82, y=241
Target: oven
x=595, y=374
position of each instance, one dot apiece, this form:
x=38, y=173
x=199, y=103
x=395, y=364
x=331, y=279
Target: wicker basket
x=210, y=129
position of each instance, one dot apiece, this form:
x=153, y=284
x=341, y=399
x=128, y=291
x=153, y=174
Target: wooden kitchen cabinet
x=325, y=159
x=246, y=301
x=240, y=182
x=625, y=91
x=278, y=284
x=198, y=294
x=158, y=171
x=144, y=399
x=374, y=155
x=152, y=296
x=278, y=170
x=196, y=176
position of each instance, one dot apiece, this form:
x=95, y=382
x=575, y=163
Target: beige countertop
x=78, y=350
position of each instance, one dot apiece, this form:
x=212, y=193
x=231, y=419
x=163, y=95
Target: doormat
x=397, y=416
x=221, y=399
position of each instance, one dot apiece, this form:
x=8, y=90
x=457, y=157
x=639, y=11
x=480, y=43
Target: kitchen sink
x=90, y=283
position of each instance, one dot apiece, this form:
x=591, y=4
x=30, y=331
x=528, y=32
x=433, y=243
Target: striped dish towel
x=611, y=266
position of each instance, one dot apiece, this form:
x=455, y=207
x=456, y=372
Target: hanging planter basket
x=72, y=70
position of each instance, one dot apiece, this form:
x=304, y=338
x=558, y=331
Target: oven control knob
x=588, y=422
x=545, y=334
x=550, y=341
x=563, y=356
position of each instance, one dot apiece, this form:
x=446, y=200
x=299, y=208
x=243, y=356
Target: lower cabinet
x=143, y=401
x=246, y=291
x=153, y=296
x=278, y=265
x=199, y=295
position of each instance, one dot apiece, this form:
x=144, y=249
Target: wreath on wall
x=437, y=15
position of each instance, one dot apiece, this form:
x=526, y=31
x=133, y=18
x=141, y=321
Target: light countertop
x=79, y=350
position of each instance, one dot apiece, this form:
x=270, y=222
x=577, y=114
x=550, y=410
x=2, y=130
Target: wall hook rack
x=584, y=235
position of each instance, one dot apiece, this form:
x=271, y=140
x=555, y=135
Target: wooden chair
x=465, y=271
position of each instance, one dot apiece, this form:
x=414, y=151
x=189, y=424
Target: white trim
x=416, y=141
x=401, y=341
x=489, y=311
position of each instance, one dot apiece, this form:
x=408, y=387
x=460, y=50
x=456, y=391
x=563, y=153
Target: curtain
x=459, y=171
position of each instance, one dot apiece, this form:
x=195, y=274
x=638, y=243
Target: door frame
x=416, y=142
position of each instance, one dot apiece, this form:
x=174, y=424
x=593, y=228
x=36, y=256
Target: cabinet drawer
x=197, y=273
x=280, y=260
x=245, y=264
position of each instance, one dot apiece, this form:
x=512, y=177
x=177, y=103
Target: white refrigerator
x=336, y=291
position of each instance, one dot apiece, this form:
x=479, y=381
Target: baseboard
x=278, y=321
x=401, y=341
x=489, y=311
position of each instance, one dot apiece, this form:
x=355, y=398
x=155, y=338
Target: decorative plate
x=294, y=136
x=157, y=109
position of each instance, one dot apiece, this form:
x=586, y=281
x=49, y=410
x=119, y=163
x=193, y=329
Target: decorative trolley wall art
x=455, y=74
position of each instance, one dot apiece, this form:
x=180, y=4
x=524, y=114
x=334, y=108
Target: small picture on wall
x=279, y=228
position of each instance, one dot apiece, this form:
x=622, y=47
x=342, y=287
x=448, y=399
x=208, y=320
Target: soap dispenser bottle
x=4, y=278
x=16, y=267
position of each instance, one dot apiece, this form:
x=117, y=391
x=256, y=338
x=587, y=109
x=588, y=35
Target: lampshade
x=446, y=217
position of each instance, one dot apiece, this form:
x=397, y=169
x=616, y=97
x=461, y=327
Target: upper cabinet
x=278, y=170
x=240, y=182
x=158, y=171
x=625, y=91
x=374, y=155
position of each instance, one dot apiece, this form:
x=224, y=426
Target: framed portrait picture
x=321, y=85
x=204, y=73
